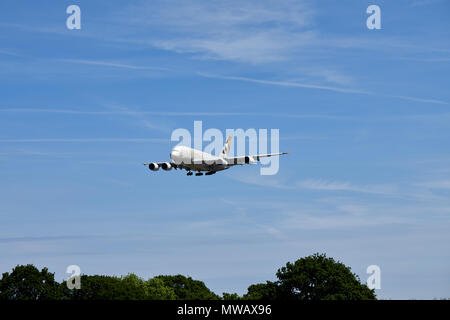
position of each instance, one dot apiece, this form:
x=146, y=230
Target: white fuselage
x=197, y=160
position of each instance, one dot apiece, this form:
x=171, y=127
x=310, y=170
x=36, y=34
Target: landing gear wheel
x=199, y=174
x=189, y=173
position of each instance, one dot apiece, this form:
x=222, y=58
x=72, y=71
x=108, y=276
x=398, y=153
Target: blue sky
x=364, y=113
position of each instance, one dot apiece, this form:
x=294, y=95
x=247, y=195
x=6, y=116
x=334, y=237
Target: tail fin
x=226, y=147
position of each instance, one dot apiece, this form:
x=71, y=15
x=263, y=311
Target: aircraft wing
x=232, y=161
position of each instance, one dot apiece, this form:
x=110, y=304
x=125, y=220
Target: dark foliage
x=315, y=277
x=187, y=288
x=28, y=283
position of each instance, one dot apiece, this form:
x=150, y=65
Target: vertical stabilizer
x=226, y=147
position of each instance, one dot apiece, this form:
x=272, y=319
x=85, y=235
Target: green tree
x=230, y=296
x=97, y=287
x=94, y=288
x=26, y=282
x=133, y=287
x=317, y=277
x=265, y=291
x=157, y=290
x=186, y=288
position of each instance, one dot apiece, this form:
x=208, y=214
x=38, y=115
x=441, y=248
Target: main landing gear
x=190, y=173
x=197, y=174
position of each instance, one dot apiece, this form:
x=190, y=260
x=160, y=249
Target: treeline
x=315, y=277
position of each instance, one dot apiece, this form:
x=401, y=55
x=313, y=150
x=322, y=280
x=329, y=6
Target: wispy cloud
x=317, y=185
x=434, y=117
x=283, y=83
x=332, y=76
x=434, y=59
x=141, y=118
x=263, y=47
x=319, y=87
x=433, y=101
x=263, y=181
x=438, y=184
x=45, y=238
x=250, y=31
x=9, y=53
x=93, y=140
x=131, y=112
x=111, y=64
x=302, y=220
x=39, y=153
x=413, y=191
x=420, y=3
x=325, y=185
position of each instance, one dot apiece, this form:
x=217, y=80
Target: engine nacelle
x=249, y=160
x=153, y=166
x=166, y=166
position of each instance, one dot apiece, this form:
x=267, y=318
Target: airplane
x=195, y=160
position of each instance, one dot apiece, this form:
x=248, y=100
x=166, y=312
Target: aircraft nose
x=175, y=153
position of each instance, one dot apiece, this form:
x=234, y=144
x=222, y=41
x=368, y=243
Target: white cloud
x=141, y=118
x=318, y=184
x=353, y=209
x=247, y=31
x=416, y=99
x=64, y=140
x=320, y=87
x=420, y=3
x=255, y=48
x=333, y=76
x=285, y=83
x=439, y=184
x=9, y=53
x=130, y=112
x=300, y=220
x=263, y=181
x=110, y=64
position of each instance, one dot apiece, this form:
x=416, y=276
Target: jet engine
x=166, y=166
x=249, y=160
x=153, y=166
